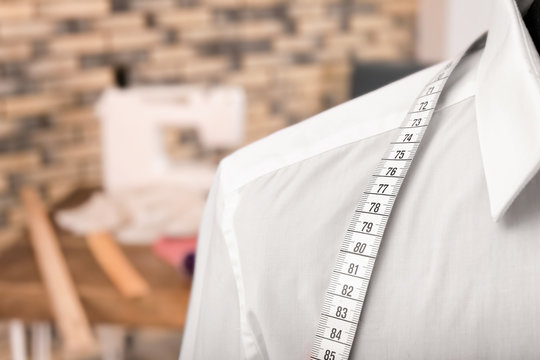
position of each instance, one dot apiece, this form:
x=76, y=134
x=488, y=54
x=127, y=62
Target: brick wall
x=56, y=56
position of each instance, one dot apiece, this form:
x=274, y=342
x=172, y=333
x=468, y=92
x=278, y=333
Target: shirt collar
x=508, y=106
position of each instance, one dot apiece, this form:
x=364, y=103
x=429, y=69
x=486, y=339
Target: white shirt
x=458, y=271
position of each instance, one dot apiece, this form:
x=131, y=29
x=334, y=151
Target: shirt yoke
x=357, y=119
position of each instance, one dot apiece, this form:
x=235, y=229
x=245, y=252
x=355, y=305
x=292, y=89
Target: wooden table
x=23, y=295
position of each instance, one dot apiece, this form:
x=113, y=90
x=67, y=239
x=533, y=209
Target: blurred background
x=113, y=117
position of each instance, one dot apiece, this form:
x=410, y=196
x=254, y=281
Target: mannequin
x=532, y=21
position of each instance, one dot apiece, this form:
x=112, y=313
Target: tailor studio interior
x=114, y=117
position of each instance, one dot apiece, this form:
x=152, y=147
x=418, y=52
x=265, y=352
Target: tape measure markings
x=344, y=298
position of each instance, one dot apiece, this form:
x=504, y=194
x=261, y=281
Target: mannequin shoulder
x=357, y=119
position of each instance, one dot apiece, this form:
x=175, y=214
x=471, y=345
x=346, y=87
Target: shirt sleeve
x=212, y=328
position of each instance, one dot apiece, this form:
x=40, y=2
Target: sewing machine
x=132, y=121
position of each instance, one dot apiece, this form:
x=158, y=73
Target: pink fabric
x=176, y=250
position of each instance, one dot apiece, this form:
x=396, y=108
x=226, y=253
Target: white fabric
x=459, y=266
x=137, y=216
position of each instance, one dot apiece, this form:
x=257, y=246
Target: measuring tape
x=352, y=271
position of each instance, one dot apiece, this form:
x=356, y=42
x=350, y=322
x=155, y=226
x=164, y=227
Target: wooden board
x=116, y=265
x=78, y=341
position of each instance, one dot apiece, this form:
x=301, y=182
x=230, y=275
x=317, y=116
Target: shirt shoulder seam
x=335, y=148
